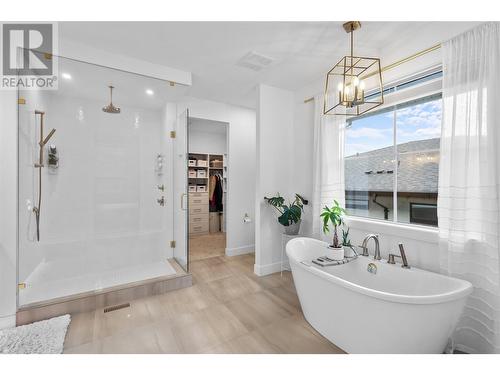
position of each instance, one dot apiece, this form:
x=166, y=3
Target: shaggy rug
x=44, y=337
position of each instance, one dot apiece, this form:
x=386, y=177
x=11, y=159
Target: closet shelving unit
x=200, y=168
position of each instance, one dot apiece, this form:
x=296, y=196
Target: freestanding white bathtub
x=396, y=310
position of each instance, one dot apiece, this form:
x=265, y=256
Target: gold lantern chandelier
x=347, y=81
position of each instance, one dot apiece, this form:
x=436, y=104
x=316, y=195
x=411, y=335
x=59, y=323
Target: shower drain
x=116, y=307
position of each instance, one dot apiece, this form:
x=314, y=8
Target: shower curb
x=94, y=300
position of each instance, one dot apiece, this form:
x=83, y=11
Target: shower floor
x=43, y=285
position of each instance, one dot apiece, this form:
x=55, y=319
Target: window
x=392, y=163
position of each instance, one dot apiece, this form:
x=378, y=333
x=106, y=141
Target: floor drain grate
x=116, y=307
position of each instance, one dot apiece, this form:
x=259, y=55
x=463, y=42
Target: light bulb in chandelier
x=340, y=89
x=359, y=91
x=362, y=89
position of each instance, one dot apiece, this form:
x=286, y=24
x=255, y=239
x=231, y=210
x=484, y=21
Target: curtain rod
x=394, y=64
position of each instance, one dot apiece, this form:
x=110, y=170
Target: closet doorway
x=207, y=187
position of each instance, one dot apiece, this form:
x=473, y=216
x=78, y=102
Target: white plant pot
x=335, y=253
x=348, y=252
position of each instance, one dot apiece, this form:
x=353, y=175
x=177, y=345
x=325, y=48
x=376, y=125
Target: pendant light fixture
x=348, y=80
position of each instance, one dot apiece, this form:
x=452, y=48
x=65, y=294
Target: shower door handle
x=184, y=208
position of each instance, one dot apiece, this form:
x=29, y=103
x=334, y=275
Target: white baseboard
x=7, y=321
x=266, y=269
x=240, y=250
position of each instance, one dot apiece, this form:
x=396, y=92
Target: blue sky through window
x=418, y=122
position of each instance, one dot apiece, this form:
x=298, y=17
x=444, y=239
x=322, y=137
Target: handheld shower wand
x=43, y=141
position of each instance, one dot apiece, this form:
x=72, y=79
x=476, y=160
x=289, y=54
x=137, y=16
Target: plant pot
x=335, y=253
x=293, y=229
x=348, y=252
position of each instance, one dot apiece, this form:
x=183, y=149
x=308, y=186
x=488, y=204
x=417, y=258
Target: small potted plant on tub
x=334, y=215
x=347, y=245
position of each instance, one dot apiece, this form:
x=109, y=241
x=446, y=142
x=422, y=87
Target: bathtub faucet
x=376, y=256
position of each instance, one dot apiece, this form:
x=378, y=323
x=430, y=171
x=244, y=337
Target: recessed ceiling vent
x=254, y=61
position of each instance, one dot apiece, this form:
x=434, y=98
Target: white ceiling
x=302, y=51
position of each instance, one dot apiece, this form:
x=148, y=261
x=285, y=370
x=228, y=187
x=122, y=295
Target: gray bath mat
x=44, y=337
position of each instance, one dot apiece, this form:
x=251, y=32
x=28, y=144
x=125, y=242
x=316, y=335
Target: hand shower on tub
x=41, y=144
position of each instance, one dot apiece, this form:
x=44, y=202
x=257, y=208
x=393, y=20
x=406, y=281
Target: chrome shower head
x=110, y=108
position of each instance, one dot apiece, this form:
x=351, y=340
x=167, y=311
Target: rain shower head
x=110, y=108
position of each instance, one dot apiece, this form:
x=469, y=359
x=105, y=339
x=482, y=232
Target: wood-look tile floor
x=228, y=310
x=207, y=246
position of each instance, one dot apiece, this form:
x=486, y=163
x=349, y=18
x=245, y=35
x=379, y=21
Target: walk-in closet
x=207, y=188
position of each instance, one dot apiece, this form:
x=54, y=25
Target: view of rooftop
x=374, y=170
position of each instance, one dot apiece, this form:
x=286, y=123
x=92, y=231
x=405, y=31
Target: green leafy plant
x=288, y=213
x=345, y=239
x=333, y=215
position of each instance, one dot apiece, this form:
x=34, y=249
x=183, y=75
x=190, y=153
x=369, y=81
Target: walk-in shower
x=96, y=224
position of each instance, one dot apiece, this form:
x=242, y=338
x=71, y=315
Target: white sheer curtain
x=328, y=162
x=469, y=177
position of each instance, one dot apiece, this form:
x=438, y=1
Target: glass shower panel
x=181, y=201
x=101, y=206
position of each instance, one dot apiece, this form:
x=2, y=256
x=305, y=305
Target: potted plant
x=346, y=244
x=333, y=215
x=289, y=214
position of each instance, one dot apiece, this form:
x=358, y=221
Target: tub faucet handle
x=392, y=257
x=365, y=250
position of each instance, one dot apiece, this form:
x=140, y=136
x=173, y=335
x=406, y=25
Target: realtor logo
x=27, y=55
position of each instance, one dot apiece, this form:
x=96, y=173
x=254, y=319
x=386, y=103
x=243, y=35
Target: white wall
x=207, y=141
x=241, y=167
x=302, y=171
x=8, y=207
x=275, y=159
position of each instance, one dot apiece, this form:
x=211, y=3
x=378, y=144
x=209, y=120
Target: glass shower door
x=181, y=201
x=93, y=213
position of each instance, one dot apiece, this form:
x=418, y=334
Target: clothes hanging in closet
x=215, y=193
x=211, y=188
